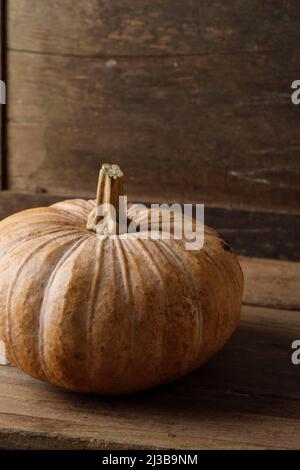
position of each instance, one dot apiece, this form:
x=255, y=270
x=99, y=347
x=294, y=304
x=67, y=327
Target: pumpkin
x=102, y=314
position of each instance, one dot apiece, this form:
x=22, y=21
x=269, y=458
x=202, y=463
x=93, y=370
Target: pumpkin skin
x=110, y=315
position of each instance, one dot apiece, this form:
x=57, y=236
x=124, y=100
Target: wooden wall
x=191, y=97
x=2, y=107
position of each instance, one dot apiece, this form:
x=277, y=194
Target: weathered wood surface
x=136, y=28
x=256, y=234
x=11, y=202
x=271, y=283
x=191, y=98
x=247, y=397
x=2, y=107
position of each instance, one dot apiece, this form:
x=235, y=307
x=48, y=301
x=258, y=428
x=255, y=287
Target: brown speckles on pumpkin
x=226, y=246
x=80, y=357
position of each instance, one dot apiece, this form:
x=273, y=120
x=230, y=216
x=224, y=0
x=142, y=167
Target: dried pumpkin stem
x=110, y=187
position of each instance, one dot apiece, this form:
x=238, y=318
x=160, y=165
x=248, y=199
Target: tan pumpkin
x=110, y=315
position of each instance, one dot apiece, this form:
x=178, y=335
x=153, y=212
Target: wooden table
x=246, y=397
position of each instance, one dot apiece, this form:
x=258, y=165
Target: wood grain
x=191, y=98
x=11, y=202
x=271, y=283
x=136, y=28
x=174, y=128
x=259, y=234
x=2, y=106
x=247, y=397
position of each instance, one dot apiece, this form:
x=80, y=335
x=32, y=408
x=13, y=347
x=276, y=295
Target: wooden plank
x=176, y=129
x=2, y=106
x=133, y=27
x=271, y=283
x=247, y=397
x=254, y=234
x=11, y=202
x=259, y=234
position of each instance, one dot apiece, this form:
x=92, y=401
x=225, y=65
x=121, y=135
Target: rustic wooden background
x=192, y=98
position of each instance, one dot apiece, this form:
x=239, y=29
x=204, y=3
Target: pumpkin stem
x=110, y=187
